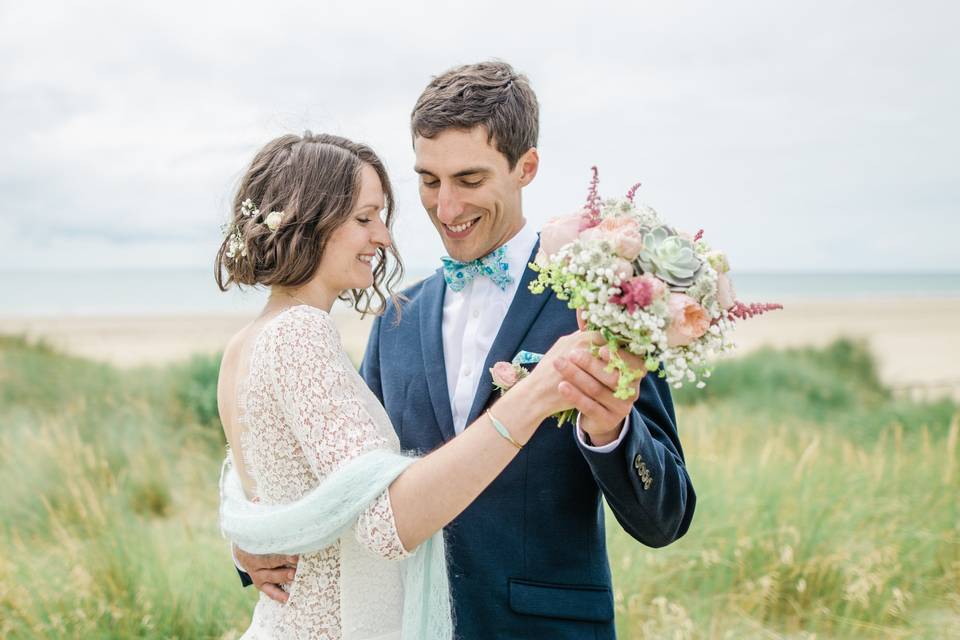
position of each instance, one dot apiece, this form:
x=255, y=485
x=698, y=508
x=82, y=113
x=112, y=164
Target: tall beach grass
x=827, y=507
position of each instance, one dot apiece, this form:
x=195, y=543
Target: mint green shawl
x=326, y=513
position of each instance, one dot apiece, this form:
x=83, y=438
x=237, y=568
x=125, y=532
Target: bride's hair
x=314, y=181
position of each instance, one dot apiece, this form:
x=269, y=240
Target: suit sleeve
x=370, y=367
x=645, y=480
x=244, y=577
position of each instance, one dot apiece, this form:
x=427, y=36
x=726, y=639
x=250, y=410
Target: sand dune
x=917, y=341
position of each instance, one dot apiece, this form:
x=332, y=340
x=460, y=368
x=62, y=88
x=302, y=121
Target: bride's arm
x=332, y=425
x=456, y=473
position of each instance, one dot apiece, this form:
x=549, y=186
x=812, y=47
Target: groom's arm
x=641, y=472
x=644, y=479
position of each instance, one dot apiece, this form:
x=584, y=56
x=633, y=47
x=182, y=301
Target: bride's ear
x=528, y=164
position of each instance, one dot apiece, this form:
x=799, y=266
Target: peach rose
x=617, y=224
x=688, y=320
x=504, y=375
x=558, y=232
x=725, y=293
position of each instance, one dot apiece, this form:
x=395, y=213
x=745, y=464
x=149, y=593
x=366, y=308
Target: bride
x=314, y=466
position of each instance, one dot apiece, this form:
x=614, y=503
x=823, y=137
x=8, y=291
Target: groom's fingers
x=586, y=405
x=576, y=372
x=274, y=592
x=250, y=561
x=274, y=576
x=596, y=369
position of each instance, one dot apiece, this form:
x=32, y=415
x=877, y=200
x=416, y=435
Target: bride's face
x=348, y=258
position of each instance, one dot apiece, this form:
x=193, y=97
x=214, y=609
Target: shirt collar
x=519, y=248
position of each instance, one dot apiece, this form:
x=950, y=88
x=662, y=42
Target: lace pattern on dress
x=304, y=411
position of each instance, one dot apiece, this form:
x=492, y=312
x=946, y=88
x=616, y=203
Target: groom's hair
x=489, y=94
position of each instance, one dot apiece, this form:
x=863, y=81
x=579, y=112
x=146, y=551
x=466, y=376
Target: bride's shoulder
x=302, y=322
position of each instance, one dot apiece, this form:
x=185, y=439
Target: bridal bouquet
x=660, y=293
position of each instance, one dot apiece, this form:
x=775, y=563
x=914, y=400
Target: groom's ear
x=528, y=165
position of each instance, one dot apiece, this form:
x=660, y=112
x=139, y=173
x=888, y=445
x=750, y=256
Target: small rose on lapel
x=505, y=375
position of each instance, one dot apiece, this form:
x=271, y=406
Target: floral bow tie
x=458, y=274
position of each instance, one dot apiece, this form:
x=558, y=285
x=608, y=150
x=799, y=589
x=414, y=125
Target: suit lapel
x=431, y=339
x=520, y=316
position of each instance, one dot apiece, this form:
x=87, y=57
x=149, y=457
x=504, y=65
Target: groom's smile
x=460, y=230
x=469, y=191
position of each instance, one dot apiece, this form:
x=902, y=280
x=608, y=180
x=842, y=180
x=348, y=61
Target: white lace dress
x=304, y=411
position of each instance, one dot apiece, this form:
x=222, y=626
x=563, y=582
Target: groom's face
x=469, y=191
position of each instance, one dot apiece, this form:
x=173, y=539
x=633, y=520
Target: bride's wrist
x=527, y=398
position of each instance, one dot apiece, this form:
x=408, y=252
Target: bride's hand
x=542, y=385
x=268, y=572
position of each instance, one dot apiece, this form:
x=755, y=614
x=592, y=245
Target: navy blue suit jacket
x=528, y=558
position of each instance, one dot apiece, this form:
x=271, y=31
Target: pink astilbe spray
x=742, y=311
x=635, y=292
x=591, y=216
x=632, y=192
x=699, y=235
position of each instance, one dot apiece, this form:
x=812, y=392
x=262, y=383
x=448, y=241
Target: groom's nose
x=449, y=205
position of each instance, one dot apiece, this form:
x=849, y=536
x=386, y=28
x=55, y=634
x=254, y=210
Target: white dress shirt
x=471, y=321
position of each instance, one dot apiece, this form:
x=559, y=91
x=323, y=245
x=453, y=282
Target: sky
x=801, y=136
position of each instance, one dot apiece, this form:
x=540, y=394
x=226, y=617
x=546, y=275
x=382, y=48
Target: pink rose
x=628, y=244
x=639, y=292
x=725, y=293
x=558, y=232
x=688, y=320
x=504, y=375
x=622, y=269
x=591, y=233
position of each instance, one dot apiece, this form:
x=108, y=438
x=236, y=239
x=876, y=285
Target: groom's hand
x=590, y=389
x=268, y=572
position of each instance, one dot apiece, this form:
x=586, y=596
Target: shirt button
x=476, y=313
x=466, y=373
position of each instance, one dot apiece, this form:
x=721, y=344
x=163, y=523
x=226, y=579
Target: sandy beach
x=916, y=340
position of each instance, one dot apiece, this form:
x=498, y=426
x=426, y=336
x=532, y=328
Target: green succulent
x=669, y=257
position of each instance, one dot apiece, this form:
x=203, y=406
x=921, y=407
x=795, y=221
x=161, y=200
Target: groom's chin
x=465, y=250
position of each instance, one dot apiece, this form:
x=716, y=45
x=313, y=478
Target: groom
x=528, y=558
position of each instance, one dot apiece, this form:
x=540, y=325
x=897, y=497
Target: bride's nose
x=381, y=235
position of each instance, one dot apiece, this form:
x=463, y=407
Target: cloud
x=804, y=136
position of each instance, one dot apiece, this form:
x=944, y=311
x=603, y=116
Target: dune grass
x=827, y=507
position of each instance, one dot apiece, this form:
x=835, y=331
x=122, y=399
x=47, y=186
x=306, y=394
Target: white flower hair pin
x=273, y=220
x=237, y=247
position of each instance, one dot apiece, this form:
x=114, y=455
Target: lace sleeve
x=316, y=388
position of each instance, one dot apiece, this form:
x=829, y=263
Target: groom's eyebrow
x=471, y=171
x=459, y=174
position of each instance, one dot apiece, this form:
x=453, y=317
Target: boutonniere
x=507, y=374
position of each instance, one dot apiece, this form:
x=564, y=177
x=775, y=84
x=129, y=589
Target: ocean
x=193, y=291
